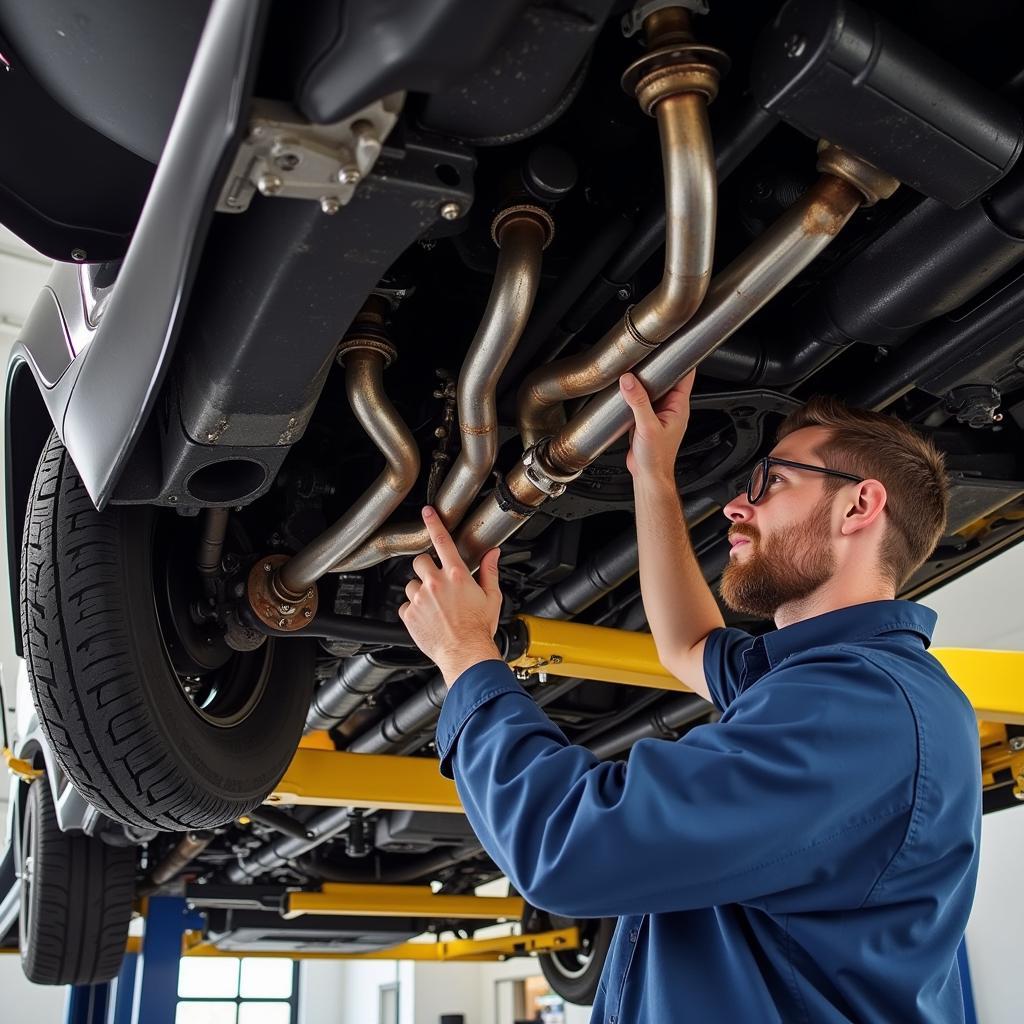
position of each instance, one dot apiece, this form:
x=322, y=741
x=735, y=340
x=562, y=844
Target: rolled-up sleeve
x=790, y=789
x=723, y=663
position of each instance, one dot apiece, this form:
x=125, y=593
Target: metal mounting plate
x=285, y=155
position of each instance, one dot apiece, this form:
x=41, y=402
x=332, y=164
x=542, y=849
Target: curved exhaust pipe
x=735, y=295
x=365, y=352
x=522, y=233
x=675, y=81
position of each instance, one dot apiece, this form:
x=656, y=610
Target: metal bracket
x=634, y=20
x=526, y=667
x=284, y=155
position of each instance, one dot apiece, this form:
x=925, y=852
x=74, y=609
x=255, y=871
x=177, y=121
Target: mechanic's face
x=782, y=548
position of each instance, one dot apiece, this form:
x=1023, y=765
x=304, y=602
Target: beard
x=790, y=565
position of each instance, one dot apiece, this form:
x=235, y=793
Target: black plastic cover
x=837, y=71
x=361, y=51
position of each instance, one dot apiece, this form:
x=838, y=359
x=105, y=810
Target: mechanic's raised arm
x=680, y=607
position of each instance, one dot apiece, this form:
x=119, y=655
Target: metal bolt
x=173, y=499
x=625, y=292
x=308, y=613
x=267, y=567
x=78, y=255
x=269, y=184
x=287, y=161
x=282, y=623
x=451, y=210
x=285, y=609
x=795, y=46
x=348, y=175
x=1017, y=742
x=330, y=205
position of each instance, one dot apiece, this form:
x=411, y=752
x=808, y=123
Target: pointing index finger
x=441, y=539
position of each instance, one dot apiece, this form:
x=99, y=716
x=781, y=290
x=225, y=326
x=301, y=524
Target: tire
x=76, y=899
x=575, y=973
x=117, y=714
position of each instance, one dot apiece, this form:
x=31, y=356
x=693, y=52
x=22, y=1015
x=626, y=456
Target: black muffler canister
x=839, y=72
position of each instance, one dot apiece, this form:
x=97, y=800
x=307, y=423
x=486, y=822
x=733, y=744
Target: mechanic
x=811, y=856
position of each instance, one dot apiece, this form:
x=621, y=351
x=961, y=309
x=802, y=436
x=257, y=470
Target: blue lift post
x=87, y=1004
x=146, y=990
x=156, y=985
x=122, y=992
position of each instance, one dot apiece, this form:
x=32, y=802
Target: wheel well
x=26, y=409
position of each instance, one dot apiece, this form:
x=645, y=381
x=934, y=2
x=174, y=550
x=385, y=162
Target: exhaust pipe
x=365, y=352
x=735, y=295
x=675, y=81
x=521, y=233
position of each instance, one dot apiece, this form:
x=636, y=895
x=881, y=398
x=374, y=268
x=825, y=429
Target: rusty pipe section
x=735, y=295
x=365, y=352
x=521, y=233
x=675, y=81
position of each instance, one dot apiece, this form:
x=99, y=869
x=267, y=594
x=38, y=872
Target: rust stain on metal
x=833, y=204
x=271, y=608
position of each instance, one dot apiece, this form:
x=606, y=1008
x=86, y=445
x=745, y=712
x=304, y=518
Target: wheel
x=76, y=899
x=574, y=973
x=154, y=719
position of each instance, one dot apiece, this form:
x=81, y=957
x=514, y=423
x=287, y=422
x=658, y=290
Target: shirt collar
x=848, y=625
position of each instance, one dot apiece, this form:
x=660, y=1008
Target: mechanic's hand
x=450, y=616
x=658, y=429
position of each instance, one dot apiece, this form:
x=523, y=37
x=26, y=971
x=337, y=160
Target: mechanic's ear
x=868, y=503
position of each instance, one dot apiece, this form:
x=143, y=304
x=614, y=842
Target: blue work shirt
x=811, y=856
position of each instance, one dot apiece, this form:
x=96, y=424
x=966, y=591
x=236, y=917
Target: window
x=229, y=990
x=387, y=995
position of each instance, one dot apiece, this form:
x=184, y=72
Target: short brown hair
x=882, y=447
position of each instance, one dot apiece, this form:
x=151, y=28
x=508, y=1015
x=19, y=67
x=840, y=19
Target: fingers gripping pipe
x=521, y=233
x=735, y=295
x=675, y=81
x=365, y=352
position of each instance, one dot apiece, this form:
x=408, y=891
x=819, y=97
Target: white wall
x=984, y=610
x=23, y=1001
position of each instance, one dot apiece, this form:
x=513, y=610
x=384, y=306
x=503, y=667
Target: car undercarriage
x=391, y=257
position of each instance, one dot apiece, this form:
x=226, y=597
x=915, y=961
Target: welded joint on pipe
x=634, y=332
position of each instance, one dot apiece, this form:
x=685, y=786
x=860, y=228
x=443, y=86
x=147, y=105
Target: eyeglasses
x=758, y=482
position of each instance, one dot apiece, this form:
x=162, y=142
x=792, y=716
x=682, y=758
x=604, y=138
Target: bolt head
x=267, y=567
x=329, y=205
x=1017, y=743
x=269, y=184
x=451, y=210
x=287, y=161
x=308, y=613
x=282, y=623
x=349, y=174
x=78, y=255
x=285, y=609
